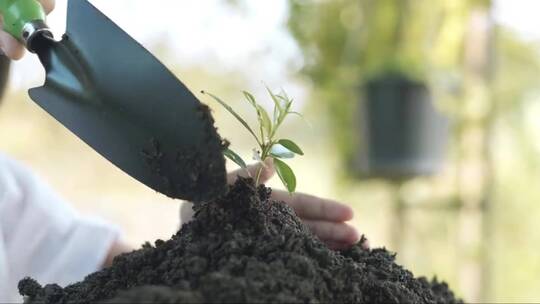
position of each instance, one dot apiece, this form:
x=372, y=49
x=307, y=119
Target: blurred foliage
x=516, y=90
x=347, y=42
x=516, y=86
x=360, y=36
x=368, y=37
x=517, y=67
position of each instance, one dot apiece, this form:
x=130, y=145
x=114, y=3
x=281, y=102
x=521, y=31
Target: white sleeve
x=43, y=236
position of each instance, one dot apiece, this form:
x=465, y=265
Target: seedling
x=269, y=145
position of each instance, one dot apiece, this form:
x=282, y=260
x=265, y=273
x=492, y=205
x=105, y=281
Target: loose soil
x=245, y=247
x=204, y=162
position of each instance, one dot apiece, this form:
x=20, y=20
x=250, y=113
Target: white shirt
x=42, y=237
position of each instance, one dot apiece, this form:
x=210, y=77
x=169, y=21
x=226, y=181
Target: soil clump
x=245, y=247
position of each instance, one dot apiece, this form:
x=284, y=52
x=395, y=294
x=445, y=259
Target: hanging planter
x=402, y=134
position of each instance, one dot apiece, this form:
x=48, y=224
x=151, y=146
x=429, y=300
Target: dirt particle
x=29, y=287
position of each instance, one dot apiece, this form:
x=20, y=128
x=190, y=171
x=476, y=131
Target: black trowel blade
x=119, y=99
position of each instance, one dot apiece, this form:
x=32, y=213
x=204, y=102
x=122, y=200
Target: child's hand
x=9, y=45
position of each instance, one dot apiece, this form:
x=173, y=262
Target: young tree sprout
x=269, y=145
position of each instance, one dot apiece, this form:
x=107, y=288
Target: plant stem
x=259, y=172
x=265, y=150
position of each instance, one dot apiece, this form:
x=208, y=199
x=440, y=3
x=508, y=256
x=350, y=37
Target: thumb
x=252, y=171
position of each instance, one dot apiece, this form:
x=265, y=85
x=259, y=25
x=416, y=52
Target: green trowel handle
x=18, y=13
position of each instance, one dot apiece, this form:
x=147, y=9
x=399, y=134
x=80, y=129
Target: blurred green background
x=463, y=202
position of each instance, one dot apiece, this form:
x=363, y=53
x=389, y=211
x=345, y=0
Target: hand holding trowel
x=118, y=98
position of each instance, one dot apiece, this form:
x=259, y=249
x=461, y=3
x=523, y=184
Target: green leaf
x=230, y=154
x=280, y=151
x=287, y=102
x=286, y=175
x=284, y=94
x=228, y=108
x=276, y=115
x=250, y=98
x=278, y=109
x=263, y=117
x=291, y=146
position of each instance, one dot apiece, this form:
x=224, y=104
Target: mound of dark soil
x=246, y=248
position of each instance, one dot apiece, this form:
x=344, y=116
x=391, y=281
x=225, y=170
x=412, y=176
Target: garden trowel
x=119, y=99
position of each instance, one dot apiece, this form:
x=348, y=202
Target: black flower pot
x=402, y=134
